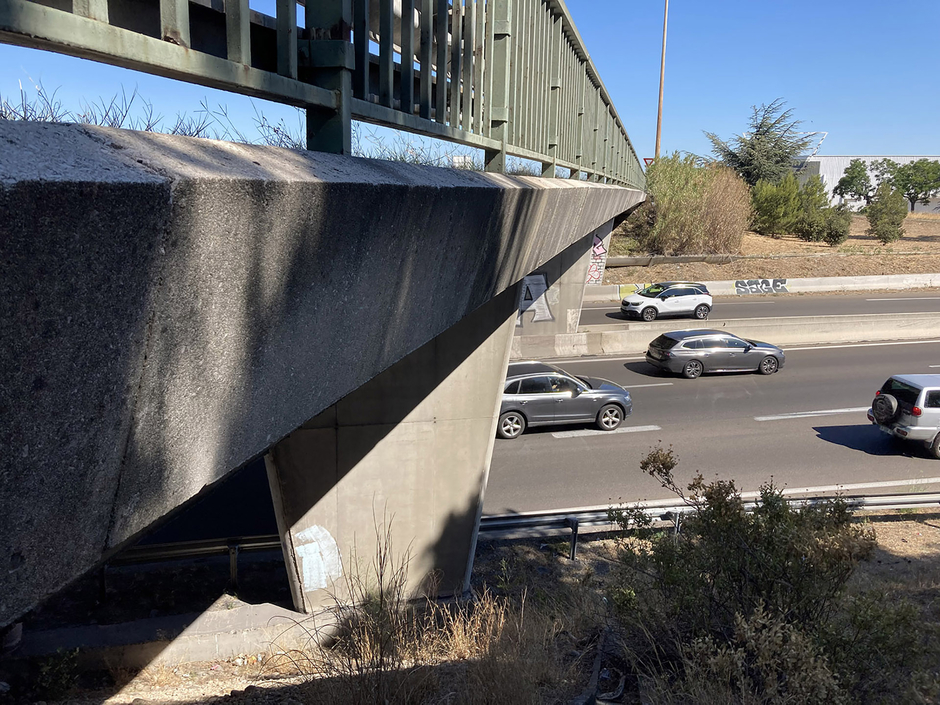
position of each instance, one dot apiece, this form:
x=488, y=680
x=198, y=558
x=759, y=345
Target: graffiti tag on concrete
x=598, y=262
x=760, y=286
x=532, y=297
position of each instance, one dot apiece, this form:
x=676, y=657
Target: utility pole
x=662, y=76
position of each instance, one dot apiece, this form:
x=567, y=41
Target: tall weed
x=692, y=210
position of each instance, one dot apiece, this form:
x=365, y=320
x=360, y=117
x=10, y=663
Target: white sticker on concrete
x=320, y=560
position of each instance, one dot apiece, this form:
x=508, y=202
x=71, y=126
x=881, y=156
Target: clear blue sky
x=865, y=71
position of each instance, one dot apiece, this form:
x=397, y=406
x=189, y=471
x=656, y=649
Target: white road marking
x=598, y=359
x=745, y=303
x=934, y=365
x=805, y=414
x=861, y=345
x=660, y=384
x=917, y=482
x=598, y=432
x=913, y=298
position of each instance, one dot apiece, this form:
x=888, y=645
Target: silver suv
x=908, y=407
x=539, y=394
x=669, y=299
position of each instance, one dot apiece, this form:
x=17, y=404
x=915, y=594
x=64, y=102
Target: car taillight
x=916, y=411
x=878, y=393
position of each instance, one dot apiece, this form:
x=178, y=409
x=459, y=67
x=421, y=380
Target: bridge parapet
x=511, y=77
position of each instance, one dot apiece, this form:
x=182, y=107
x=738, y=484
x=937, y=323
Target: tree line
x=687, y=211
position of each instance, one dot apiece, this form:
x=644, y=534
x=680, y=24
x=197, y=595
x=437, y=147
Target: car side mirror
x=577, y=391
x=748, y=348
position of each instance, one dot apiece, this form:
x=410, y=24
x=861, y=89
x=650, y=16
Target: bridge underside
x=174, y=308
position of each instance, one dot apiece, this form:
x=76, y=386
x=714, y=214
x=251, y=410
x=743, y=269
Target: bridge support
x=550, y=297
x=403, y=457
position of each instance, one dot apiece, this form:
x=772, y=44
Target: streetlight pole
x=662, y=76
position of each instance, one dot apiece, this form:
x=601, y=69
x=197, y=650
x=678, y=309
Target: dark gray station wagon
x=539, y=394
x=694, y=352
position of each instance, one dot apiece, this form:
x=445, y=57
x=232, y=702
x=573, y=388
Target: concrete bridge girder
x=173, y=307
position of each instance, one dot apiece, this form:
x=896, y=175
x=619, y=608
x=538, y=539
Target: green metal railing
x=511, y=77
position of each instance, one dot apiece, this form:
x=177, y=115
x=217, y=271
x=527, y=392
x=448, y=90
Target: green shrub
x=690, y=209
x=776, y=207
x=886, y=214
x=838, y=223
x=777, y=564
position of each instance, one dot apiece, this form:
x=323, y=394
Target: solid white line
x=934, y=365
x=913, y=298
x=598, y=432
x=860, y=486
x=860, y=345
x=660, y=384
x=597, y=359
x=804, y=414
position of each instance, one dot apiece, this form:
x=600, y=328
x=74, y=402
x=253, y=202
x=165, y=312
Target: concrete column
x=550, y=297
x=412, y=448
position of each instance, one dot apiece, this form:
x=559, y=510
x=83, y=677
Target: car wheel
x=768, y=365
x=648, y=314
x=511, y=425
x=609, y=417
x=702, y=311
x=692, y=369
x=884, y=408
x=935, y=447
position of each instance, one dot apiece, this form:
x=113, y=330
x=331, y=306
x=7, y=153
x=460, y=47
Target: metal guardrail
x=529, y=523
x=509, y=76
x=536, y=523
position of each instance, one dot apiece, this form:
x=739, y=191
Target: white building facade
x=831, y=169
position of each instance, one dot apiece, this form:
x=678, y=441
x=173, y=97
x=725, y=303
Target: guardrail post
x=233, y=567
x=572, y=521
x=328, y=61
x=495, y=159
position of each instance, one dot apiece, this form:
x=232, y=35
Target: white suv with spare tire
x=908, y=407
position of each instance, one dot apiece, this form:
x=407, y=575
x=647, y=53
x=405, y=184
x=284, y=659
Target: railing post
x=174, y=21
x=92, y=9
x=328, y=61
x=237, y=31
x=495, y=159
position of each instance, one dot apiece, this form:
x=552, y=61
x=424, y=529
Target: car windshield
x=651, y=292
x=583, y=381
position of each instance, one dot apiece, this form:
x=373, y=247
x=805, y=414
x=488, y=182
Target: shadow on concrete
x=867, y=439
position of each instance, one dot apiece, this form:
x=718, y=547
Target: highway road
x=760, y=306
x=802, y=427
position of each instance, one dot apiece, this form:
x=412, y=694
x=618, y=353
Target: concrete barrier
x=633, y=338
x=743, y=287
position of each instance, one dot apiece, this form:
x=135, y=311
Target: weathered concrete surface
x=402, y=459
x=550, y=297
x=172, y=307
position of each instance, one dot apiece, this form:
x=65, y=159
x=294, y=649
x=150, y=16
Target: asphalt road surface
x=730, y=308
x=802, y=427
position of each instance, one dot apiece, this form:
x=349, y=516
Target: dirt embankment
x=918, y=252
